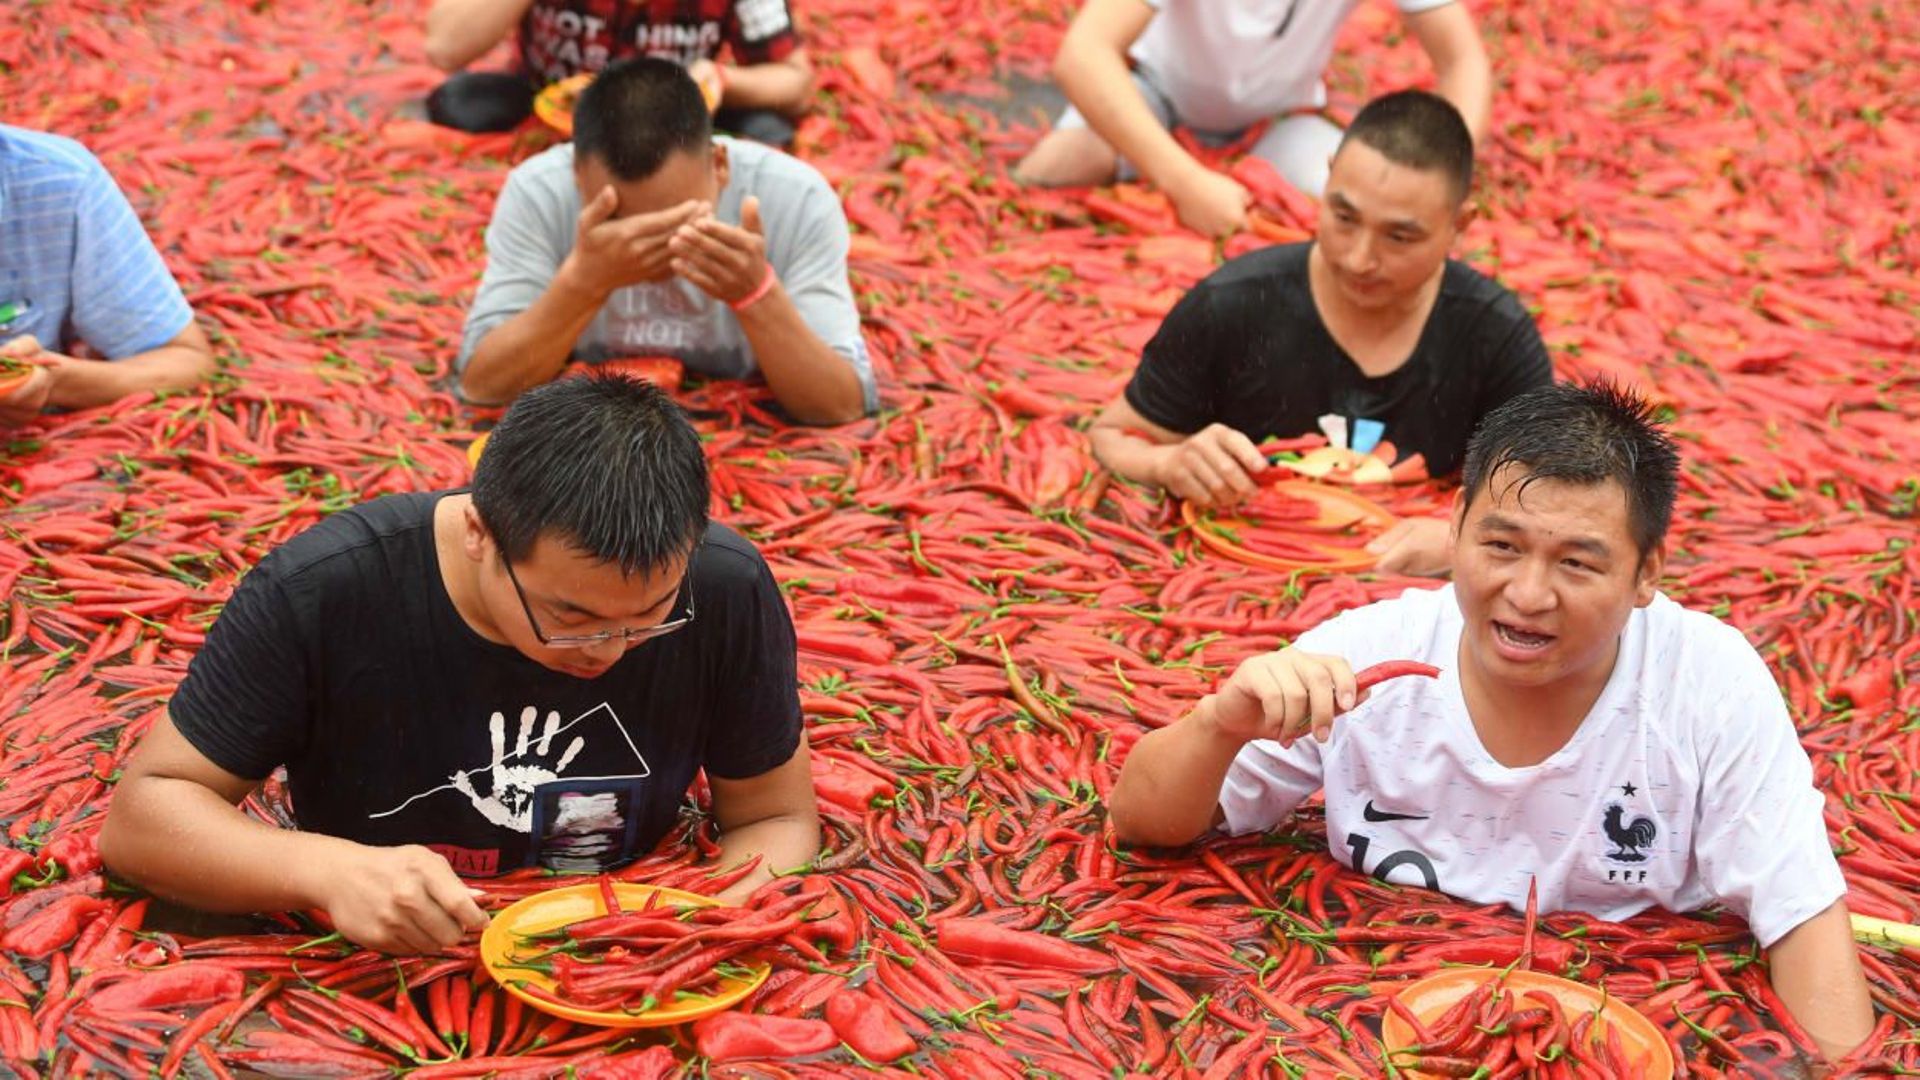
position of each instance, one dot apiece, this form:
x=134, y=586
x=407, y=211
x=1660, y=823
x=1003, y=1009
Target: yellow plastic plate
x=555, y=908
x=1431, y=997
x=474, y=450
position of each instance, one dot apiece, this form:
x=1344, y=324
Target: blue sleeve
x=124, y=299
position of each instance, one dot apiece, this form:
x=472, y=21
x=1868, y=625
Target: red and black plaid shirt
x=559, y=38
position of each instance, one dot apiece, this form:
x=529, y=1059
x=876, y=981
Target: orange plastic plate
x=1340, y=509
x=1431, y=997
x=502, y=943
x=554, y=104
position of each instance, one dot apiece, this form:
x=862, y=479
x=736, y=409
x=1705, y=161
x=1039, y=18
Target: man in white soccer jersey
x=1586, y=731
x=1134, y=70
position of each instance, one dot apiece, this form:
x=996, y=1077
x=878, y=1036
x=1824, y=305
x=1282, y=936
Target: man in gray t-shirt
x=648, y=236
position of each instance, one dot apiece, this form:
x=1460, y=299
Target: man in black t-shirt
x=1370, y=321
x=529, y=674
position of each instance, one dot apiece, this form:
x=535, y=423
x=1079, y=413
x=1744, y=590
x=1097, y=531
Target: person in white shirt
x=1585, y=732
x=1217, y=67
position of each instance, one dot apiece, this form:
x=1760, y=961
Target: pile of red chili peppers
x=1713, y=202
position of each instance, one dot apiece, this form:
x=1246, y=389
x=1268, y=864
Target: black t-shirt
x=1247, y=348
x=342, y=657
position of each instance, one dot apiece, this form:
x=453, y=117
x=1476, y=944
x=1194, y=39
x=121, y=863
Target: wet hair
x=606, y=464
x=636, y=114
x=1420, y=131
x=1582, y=435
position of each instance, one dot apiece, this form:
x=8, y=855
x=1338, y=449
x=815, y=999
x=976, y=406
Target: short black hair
x=604, y=463
x=637, y=113
x=1420, y=131
x=1585, y=434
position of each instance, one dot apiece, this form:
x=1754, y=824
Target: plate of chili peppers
x=623, y=955
x=554, y=104
x=13, y=374
x=1293, y=525
x=1470, y=1021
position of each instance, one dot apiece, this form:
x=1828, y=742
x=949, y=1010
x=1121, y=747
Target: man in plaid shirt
x=765, y=78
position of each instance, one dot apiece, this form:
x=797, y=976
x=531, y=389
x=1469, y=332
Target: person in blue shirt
x=76, y=266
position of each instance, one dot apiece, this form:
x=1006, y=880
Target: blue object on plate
x=1366, y=435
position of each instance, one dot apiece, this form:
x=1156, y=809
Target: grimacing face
x=1546, y=578
x=1385, y=229
x=688, y=176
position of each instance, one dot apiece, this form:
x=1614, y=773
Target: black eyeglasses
x=627, y=637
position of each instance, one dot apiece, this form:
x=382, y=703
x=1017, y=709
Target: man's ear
x=1457, y=516
x=474, y=537
x=1653, y=566
x=1466, y=214
x=722, y=168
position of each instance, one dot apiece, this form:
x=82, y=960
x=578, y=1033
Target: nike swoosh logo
x=1381, y=815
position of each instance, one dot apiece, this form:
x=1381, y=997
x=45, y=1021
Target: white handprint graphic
x=505, y=789
x=510, y=781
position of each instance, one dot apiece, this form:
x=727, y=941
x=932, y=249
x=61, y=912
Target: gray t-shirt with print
x=533, y=231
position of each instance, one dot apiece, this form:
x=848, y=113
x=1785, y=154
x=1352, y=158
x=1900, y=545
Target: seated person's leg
x=481, y=101
x=1074, y=155
x=761, y=125
x=1299, y=147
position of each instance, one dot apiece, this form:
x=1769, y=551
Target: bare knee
x=1068, y=157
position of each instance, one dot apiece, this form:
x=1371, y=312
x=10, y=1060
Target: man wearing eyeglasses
x=460, y=684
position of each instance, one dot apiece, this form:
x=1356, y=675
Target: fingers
x=698, y=241
x=22, y=347
x=750, y=215
x=600, y=208
x=578, y=744
x=457, y=902
x=1234, y=482
x=1390, y=539
x=527, y=716
x=1195, y=479
x=701, y=276
x=668, y=221
x=497, y=729
x=1295, y=703
x=1240, y=448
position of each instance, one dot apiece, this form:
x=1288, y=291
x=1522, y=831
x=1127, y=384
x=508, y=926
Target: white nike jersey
x=1684, y=786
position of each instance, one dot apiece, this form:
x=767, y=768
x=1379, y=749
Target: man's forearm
x=814, y=383
x=1816, y=972
x=461, y=31
x=532, y=346
x=1169, y=790
x=782, y=843
x=1099, y=84
x=82, y=384
x=784, y=86
x=179, y=840
x=1469, y=86
x=1127, y=455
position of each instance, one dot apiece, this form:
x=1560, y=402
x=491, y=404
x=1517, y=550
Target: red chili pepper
x=980, y=939
x=52, y=926
x=13, y=862
x=1392, y=669
x=865, y=1024
x=731, y=1036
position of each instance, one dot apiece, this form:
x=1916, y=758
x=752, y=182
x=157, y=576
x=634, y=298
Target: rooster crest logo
x=1628, y=837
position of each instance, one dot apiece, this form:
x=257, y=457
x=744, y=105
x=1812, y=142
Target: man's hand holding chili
x=727, y=262
x=27, y=400
x=1282, y=696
